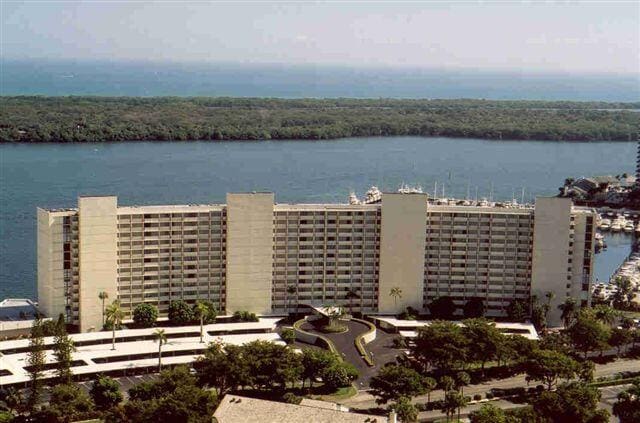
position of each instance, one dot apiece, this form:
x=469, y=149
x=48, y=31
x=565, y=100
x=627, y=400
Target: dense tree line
x=97, y=119
x=448, y=356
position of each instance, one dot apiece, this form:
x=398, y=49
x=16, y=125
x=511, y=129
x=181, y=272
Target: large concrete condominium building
x=252, y=254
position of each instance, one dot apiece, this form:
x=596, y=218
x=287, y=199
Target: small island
x=98, y=119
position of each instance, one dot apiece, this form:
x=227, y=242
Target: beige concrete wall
x=581, y=276
x=249, y=252
x=98, y=257
x=51, y=298
x=402, y=249
x=551, y=269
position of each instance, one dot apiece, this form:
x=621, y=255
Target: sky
x=592, y=37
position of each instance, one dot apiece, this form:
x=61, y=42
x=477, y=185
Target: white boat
x=605, y=225
x=406, y=189
x=599, y=239
x=638, y=228
x=618, y=224
x=628, y=227
x=373, y=195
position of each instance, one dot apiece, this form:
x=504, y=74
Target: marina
x=617, y=255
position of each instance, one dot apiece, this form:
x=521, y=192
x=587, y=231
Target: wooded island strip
x=96, y=119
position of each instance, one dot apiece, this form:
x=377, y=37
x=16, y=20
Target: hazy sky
x=593, y=37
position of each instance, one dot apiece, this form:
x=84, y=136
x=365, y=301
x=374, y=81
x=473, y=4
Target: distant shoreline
x=39, y=119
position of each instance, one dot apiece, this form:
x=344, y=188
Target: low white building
x=135, y=349
x=409, y=328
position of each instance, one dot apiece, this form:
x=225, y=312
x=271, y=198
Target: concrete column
x=98, y=247
x=551, y=269
x=51, y=296
x=402, y=248
x=249, y=252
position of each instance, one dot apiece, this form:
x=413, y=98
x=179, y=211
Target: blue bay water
x=54, y=175
x=52, y=77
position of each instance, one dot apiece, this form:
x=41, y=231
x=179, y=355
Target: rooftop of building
x=135, y=348
x=408, y=328
x=15, y=309
x=435, y=205
x=235, y=409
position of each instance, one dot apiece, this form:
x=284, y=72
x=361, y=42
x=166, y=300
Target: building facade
x=253, y=254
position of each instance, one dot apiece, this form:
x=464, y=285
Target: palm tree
x=290, y=291
x=201, y=311
x=351, y=295
x=462, y=379
x=549, y=295
x=161, y=338
x=569, y=309
x=115, y=315
x=103, y=295
x=605, y=314
x=396, y=293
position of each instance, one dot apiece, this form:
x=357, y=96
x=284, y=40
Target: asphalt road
x=381, y=349
x=363, y=400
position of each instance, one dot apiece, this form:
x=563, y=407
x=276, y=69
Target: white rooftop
x=410, y=327
x=237, y=409
x=94, y=355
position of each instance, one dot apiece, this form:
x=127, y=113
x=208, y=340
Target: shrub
x=244, y=316
x=288, y=335
x=399, y=342
x=291, y=398
x=338, y=375
x=489, y=395
x=105, y=392
x=145, y=315
x=180, y=313
x=209, y=316
x=477, y=397
x=6, y=417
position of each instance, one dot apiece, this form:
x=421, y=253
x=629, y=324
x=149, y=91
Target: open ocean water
x=51, y=77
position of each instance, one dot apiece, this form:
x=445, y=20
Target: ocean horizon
x=147, y=79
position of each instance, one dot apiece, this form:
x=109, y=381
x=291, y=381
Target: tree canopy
x=82, y=119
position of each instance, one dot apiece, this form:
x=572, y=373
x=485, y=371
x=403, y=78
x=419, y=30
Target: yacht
x=618, y=224
x=373, y=195
x=628, y=227
x=605, y=225
x=406, y=189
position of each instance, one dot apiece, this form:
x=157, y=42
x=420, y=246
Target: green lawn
x=340, y=394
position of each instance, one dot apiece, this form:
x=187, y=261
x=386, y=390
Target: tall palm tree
x=549, y=295
x=396, y=293
x=352, y=295
x=161, y=338
x=290, y=291
x=201, y=311
x=103, y=295
x=115, y=315
x=569, y=309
